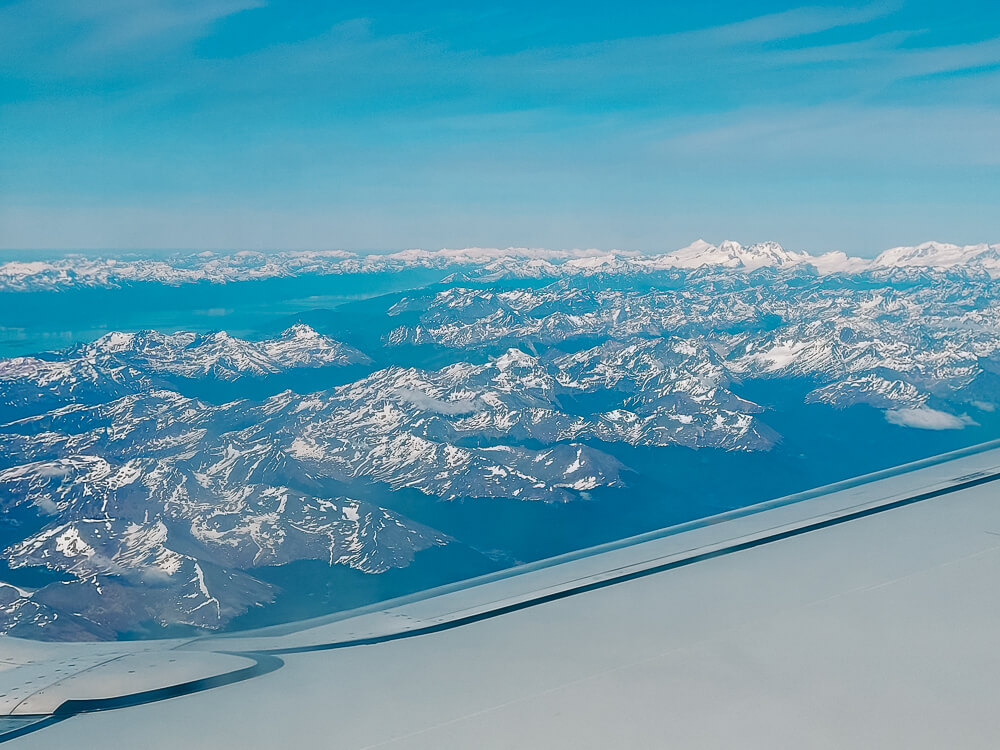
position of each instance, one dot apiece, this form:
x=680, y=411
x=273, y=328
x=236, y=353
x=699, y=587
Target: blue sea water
x=33, y=322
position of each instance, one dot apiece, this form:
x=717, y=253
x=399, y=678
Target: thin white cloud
x=63, y=33
x=925, y=418
x=833, y=136
x=789, y=24
x=46, y=504
x=429, y=403
x=121, y=23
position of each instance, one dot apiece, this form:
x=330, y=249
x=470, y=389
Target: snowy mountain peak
x=942, y=255
x=113, y=342
x=514, y=358
x=300, y=331
x=732, y=254
x=119, y=363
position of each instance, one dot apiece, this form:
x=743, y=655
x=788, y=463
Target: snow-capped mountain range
x=155, y=503
x=143, y=484
x=120, y=363
x=77, y=270
x=896, y=341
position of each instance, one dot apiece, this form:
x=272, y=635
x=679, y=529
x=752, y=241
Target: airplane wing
x=862, y=614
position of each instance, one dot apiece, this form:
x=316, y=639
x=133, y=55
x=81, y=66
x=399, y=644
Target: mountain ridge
x=73, y=271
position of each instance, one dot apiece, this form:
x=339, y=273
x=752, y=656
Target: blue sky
x=257, y=124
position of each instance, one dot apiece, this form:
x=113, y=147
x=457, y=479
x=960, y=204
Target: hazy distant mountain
x=216, y=267
x=942, y=255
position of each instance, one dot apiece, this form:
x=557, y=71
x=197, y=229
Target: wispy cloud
x=429, y=403
x=57, y=35
x=925, y=418
x=840, y=136
x=786, y=25
x=776, y=58
x=117, y=24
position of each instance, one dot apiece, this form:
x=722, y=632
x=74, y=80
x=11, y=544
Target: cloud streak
x=925, y=418
x=429, y=403
x=61, y=35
